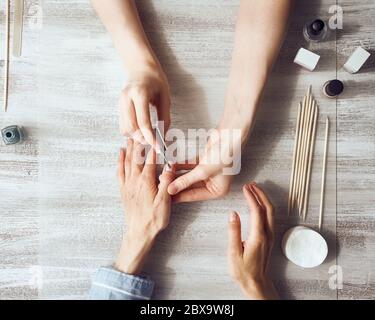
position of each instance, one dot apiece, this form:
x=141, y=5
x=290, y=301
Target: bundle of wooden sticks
x=17, y=42
x=303, y=155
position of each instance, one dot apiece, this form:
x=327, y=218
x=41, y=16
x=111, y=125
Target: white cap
x=306, y=59
x=356, y=60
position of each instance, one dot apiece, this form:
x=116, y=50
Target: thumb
x=235, y=248
x=186, y=180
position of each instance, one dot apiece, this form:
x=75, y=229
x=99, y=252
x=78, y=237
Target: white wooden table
x=60, y=215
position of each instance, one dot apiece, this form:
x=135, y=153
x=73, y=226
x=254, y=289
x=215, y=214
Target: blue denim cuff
x=110, y=284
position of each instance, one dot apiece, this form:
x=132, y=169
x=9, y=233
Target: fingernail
x=172, y=189
x=232, y=217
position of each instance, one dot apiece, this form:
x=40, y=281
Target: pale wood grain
x=19, y=168
x=60, y=207
x=356, y=155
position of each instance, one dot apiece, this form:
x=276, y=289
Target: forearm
x=124, y=280
x=121, y=19
x=260, y=30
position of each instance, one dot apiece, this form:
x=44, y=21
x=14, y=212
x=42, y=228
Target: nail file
x=165, y=146
x=154, y=123
x=17, y=29
x=161, y=137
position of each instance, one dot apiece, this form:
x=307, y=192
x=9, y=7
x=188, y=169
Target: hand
x=248, y=260
x=147, y=205
x=147, y=86
x=212, y=172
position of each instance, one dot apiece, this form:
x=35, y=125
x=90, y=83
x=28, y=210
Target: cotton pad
x=306, y=59
x=304, y=247
x=356, y=60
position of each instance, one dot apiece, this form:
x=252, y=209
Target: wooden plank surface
x=60, y=211
x=19, y=168
x=356, y=155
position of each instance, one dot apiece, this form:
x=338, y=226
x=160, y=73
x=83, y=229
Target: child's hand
x=147, y=86
x=248, y=260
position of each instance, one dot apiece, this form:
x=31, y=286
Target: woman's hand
x=248, y=260
x=147, y=81
x=147, y=86
x=147, y=204
x=212, y=172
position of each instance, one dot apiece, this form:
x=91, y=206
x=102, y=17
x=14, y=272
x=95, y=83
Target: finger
x=186, y=180
x=198, y=184
x=188, y=164
x=193, y=194
x=128, y=119
x=267, y=205
x=164, y=110
x=142, y=110
x=128, y=157
x=137, y=135
x=185, y=166
x=121, y=167
x=165, y=179
x=260, y=204
x=235, y=248
x=138, y=158
x=256, y=218
x=149, y=169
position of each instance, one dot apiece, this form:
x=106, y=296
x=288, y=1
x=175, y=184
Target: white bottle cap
x=306, y=59
x=356, y=60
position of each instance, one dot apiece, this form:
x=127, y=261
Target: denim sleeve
x=110, y=284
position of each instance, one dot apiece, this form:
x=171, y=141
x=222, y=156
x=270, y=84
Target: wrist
x=232, y=123
x=144, y=64
x=259, y=289
x=137, y=55
x=241, y=104
x=133, y=253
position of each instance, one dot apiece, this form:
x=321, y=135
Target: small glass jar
x=333, y=88
x=315, y=31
